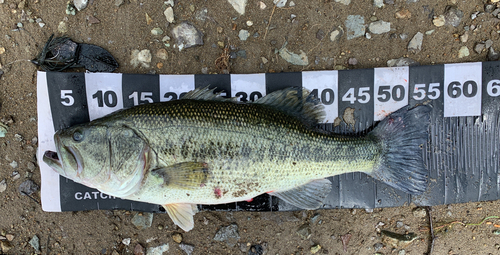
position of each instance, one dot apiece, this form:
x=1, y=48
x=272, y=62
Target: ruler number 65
x=493, y=88
x=66, y=98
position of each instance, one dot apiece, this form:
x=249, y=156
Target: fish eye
x=77, y=136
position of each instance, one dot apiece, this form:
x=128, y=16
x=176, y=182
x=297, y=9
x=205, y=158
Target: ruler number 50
x=66, y=98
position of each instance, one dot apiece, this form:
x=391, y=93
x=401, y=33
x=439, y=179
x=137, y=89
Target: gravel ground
x=317, y=35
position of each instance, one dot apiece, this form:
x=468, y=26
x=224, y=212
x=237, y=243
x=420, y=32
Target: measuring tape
x=458, y=93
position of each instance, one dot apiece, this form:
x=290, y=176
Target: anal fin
x=182, y=215
x=309, y=196
x=185, y=175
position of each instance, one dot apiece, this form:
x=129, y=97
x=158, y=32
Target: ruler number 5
x=66, y=98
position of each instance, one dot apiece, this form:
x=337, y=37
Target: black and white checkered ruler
x=461, y=154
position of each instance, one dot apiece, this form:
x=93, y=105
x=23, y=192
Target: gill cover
x=110, y=159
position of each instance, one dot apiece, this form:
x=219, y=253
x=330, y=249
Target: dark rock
x=489, y=8
x=320, y=34
x=256, y=250
x=492, y=55
x=187, y=248
x=304, y=231
x=228, y=234
x=378, y=246
x=241, y=53
x=187, y=35
x=453, y=16
x=28, y=187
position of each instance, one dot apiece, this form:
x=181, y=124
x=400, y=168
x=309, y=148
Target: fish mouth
x=51, y=158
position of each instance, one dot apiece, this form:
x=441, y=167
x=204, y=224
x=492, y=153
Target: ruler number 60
x=469, y=89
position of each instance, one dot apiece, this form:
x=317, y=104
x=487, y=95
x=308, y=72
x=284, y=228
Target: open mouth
x=52, y=159
x=51, y=155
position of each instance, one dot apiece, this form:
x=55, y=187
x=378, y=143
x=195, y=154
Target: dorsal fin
x=207, y=94
x=305, y=106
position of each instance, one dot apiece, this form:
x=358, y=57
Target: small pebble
x=320, y=34
x=15, y=176
x=403, y=14
x=249, y=23
x=28, y=187
x=479, y=48
x=35, y=243
x=378, y=3
x=188, y=249
x=463, y=52
x=243, y=34
x=419, y=212
x=315, y=249
x=3, y=186
x=126, y=241
x=353, y=61
x=399, y=224
x=156, y=31
x=9, y=237
x=439, y=21
x=488, y=43
x=13, y=164
x=169, y=14
x=177, y=237
x=162, y=54
x=465, y=37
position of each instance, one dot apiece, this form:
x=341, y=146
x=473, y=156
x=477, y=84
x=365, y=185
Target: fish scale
x=281, y=149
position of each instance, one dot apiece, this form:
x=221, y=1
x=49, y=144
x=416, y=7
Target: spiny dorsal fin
x=207, y=94
x=305, y=106
x=185, y=175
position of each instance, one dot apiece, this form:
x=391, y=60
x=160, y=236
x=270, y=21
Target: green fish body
x=204, y=149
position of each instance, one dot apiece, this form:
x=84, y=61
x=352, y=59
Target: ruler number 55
x=432, y=92
x=66, y=98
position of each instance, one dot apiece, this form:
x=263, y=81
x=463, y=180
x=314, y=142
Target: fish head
x=111, y=159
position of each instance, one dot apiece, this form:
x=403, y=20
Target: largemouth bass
x=205, y=149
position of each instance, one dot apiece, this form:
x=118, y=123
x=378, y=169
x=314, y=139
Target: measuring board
x=462, y=152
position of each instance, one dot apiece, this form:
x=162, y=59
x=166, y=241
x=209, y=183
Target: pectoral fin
x=185, y=175
x=182, y=215
x=309, y=196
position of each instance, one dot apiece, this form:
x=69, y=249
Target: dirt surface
x=123, y=29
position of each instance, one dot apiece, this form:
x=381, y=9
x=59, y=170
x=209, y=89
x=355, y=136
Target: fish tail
x=402, y=135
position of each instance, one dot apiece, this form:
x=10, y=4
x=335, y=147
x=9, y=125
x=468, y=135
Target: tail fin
x=402, y=135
